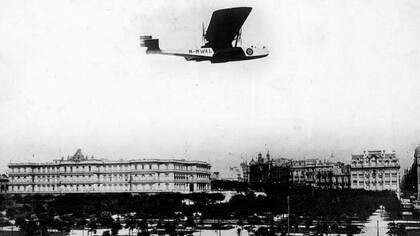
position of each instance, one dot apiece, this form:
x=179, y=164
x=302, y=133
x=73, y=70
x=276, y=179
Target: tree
x=169, y=229
x=115, y=227
x=396, y=229
x=262, y=231
x=294, y=221
x=105, y=218
x=92, y=225
x=159, y=224
x=31, y=228
x=43, y=222
x=144, y=227
x=131, y=224
x=190, y=222
x=308, y=222
x=351, y=229
x=59, y=224
x=11, y=212
x=82, y=223
x=21, y=222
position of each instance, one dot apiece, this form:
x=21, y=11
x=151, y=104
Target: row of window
x=107, y=167
x=105, y=187
x=375, y=182
x=374, y=163
x=110, y=178
x=367, y=175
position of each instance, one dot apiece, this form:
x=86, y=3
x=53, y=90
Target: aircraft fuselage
x=219, y=56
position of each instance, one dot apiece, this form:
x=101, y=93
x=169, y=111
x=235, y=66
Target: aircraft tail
x=151, y=44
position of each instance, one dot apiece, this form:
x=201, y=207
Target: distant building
x=215, y=175
x=267, y=170
x=245, y=170
x=80, y=174
x=320, y=174
x=311, y=172
x=280, y=171
x=4, y=182
x=417, y=161
x=303, y=172
x=259, y=170
x=234, y=173
x=376, y=171
x=341, y=176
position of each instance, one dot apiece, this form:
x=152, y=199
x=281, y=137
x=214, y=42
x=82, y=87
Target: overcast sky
x=341, y=77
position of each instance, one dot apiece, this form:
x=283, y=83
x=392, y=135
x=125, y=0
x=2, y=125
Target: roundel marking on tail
x=249, y=51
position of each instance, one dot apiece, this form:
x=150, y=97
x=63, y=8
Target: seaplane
x=220, y=40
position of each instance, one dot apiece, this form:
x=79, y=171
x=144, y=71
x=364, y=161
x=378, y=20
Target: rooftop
x=79, y=158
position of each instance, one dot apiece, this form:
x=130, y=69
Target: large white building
x=376, y=171
x=80, y=174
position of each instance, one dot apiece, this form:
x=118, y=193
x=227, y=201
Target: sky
x=341, y=77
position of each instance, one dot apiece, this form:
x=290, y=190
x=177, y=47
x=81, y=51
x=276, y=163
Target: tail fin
x=151, y=44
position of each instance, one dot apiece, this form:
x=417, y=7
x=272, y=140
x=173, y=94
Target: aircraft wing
x=224, y=26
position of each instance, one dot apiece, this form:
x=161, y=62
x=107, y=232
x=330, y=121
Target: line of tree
x=329, y=208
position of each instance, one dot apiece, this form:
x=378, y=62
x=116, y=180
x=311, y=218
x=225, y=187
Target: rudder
x=151, y=44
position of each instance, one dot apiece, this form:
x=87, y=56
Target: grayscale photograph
x=210, y=118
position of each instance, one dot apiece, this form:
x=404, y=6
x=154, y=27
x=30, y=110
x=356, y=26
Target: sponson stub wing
x=224, y=26
x=189, y=57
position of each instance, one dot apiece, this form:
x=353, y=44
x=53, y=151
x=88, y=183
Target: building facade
x=341, y=176
x=269, y=171
x=4, y=183
x=376, y=171
x=320, y=174
x=245, y=170
x=80, y=174
x=308, y=173
x=259, y=169
x=417, y=161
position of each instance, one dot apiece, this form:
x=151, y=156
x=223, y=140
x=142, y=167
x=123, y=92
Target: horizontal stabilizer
x=151, y=44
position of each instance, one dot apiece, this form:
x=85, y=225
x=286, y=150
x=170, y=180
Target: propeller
x=203, y=35
x=238, y=37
